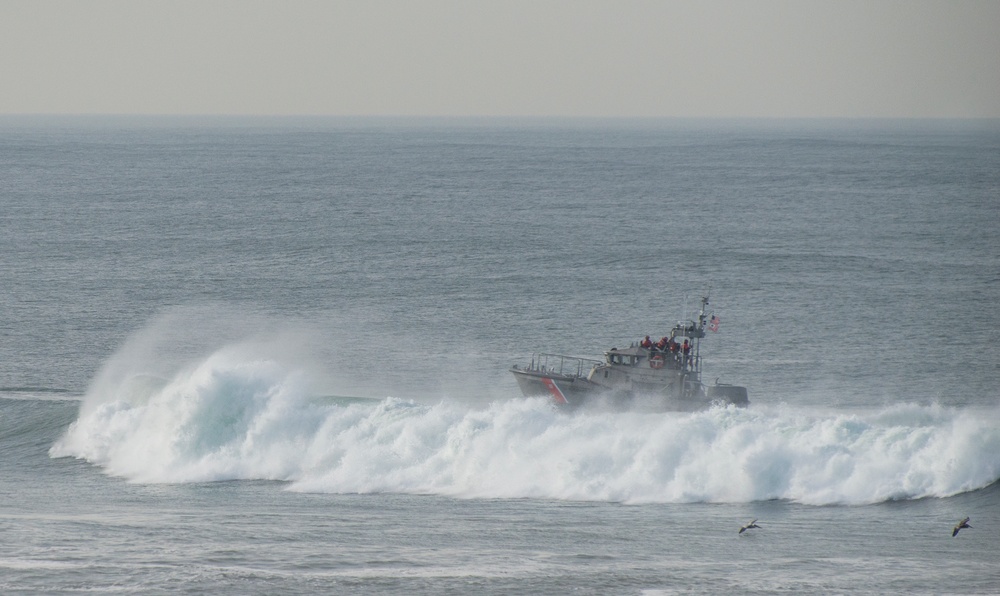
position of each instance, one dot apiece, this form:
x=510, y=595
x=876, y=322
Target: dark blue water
x=270, y=355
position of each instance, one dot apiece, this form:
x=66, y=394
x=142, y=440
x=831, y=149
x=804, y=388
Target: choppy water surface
x=271, y=356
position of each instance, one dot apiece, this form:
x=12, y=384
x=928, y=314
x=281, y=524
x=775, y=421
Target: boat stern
x=728, y=394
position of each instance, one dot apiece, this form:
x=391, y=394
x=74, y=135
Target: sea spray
x=215, y=421
x=237, y=416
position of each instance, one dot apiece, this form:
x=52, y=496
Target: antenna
x=704, y=304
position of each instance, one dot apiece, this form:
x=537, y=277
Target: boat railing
x=561, y=364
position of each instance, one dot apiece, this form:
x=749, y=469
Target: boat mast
x=700, y=333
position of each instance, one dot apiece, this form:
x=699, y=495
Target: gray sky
x=667, y=58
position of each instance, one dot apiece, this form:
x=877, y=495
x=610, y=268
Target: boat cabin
x=625, y=357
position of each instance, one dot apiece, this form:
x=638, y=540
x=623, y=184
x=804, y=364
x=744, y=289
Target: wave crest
x=239, y=417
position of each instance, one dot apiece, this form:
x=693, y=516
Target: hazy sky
x=767, y=58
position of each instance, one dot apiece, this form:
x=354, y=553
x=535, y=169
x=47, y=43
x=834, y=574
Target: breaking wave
x=238, y=416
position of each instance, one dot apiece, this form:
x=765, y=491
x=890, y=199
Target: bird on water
x=962, y=524
x=752, y=524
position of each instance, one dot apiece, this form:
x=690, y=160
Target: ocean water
x=270, y=356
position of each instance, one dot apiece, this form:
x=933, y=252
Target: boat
x=664, y=376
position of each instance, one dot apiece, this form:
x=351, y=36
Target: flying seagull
x=962, y=524
x=753, y=524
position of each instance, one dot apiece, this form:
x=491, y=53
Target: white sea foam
x=238, y=415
